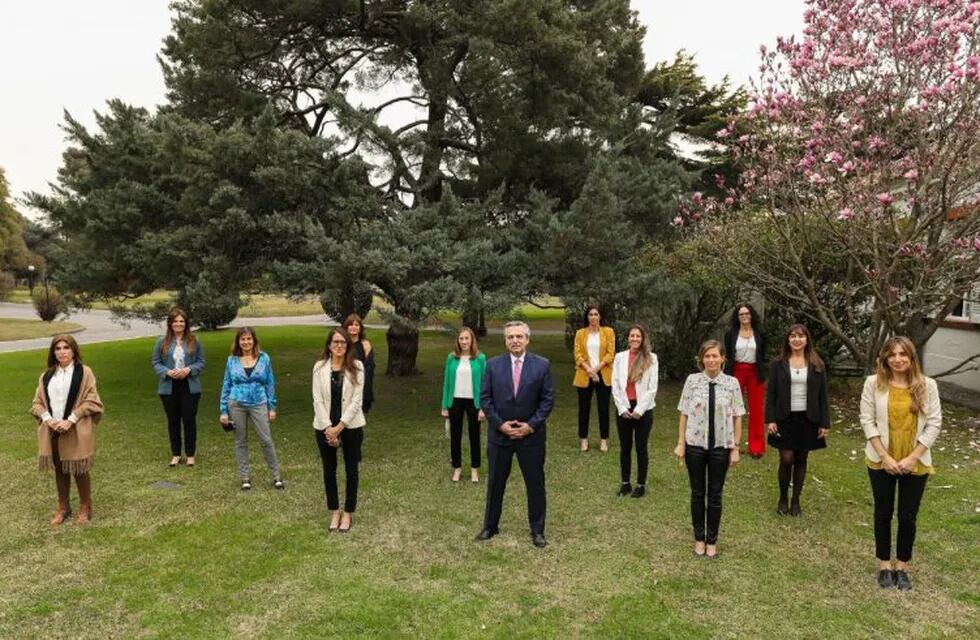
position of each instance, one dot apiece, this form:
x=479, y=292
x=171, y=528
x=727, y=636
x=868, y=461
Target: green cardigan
x=478, y=365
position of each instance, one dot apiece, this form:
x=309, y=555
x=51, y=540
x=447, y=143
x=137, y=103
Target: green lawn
x=17, y=329
x=207, y=561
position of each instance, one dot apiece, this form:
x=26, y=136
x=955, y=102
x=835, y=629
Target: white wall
x=947, y=348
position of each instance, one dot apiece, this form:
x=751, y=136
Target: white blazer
x=350, y=402
x=874, y=418
x=646, y=386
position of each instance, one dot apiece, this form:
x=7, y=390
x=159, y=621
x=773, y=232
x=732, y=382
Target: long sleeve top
x=249, y=390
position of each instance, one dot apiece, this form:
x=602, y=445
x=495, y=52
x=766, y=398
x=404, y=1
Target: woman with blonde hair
x=178, y=359
x=708, y=434
x=635, y=376
x=67, y=408
x=461, y=383
x=901, y=417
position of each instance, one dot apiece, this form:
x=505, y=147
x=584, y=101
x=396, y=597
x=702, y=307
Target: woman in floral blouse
x=708, y=434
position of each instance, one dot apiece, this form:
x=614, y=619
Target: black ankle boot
x=782, y=507
x=624, y=489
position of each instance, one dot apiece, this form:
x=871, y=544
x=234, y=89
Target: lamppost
x=30, y=279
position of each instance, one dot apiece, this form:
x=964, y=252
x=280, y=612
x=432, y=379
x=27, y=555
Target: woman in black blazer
x=797, y=411
x=745, y=346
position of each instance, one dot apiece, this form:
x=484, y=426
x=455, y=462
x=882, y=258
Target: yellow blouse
x=902, y=427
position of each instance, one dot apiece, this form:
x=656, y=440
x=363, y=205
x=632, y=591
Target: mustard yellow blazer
x=607, y=351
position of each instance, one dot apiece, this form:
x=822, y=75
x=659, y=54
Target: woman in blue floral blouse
x=708, y=434
x=249, y=393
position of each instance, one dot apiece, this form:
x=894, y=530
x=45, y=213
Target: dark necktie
x=711, y=415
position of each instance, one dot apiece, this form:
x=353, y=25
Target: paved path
x=99, y=326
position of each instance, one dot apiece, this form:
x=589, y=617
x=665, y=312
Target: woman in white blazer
x=901, y=417
x=635, y=375
x=338, y=421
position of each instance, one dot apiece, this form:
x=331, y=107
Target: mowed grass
x=17, y=329
x=204, y=560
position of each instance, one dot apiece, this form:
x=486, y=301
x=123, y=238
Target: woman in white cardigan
x=338, y=421
x=635, y=375
x=901, y=417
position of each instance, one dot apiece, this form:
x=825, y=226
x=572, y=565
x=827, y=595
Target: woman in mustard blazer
x=595, y=348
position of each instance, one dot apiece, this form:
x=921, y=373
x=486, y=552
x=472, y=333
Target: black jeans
x=585, y=407
x=461, y=407
x=350, y=445
x=630, y=430
x=181, y=406
x=910, y=490
x=711, y=464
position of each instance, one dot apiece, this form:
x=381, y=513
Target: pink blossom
x=833, y=158
x=729, y=200
x=845, y=214
x=884, y=198
x=911, y=175
x=678, y=221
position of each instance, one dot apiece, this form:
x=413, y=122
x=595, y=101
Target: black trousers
x=910, y=490
x=461, y=407
x=706, y=469
x=602, y=393
x=629, y=431
x=531, y=461
x=350, y=445
x=181, y=406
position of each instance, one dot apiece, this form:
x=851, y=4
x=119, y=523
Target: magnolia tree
x=858, y=205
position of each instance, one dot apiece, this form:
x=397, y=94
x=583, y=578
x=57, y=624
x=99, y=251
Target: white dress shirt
x=58, y=387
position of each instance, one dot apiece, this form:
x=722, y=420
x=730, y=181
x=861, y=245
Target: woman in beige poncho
x=67, y=408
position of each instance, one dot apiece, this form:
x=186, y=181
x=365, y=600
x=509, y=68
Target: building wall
x=948, y=347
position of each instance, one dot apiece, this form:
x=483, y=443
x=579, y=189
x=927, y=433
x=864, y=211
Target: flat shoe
x=886, y=578
x=902, y=580
x=246, y=485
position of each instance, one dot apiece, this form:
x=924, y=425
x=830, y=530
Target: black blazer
x=777, y=395
x=760, y=353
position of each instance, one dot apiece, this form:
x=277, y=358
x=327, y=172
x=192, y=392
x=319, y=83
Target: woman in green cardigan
x=461, y=395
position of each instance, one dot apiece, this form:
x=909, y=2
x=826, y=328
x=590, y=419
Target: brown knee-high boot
x=84, y=484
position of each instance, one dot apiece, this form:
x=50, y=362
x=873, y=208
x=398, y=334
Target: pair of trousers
x=756, y=396
x=910, y=490
x=62, y=481
x=461, y=407
x=706, y=469
x=259, y=416
x=602, y=393
x=350, y=445
x=181, y=406
x=629, y=431
x=531, y=461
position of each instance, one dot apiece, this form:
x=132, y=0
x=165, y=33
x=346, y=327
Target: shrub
x=48, y=302
x=7, y=285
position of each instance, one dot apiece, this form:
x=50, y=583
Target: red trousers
x=756, y=392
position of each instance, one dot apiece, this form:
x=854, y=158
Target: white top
x=464, y=379
x=797, y=389
x=592, y=346
x=745, y=350
x=646, y=386
x=58, y=388
x=694, y=404
x=179, y=355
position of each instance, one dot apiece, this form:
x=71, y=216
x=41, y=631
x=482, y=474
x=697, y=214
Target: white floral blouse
x=694, y=404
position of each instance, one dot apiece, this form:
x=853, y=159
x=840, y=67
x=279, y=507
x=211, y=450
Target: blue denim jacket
x=249, y=390
x=162, y=364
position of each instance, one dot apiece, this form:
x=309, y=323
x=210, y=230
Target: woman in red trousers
x=745, y=344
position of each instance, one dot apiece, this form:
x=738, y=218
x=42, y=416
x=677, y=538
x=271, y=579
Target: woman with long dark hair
x=635, y=377
x=248, y=394
x=338, y=422
x=595, y=347
x=461, y=383
x=364, y=352
x=797, y=412
x=745, y=344
x=178, y=359
x=67, y=408
x=901, y=417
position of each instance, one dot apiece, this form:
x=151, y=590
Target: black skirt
x=798, y=433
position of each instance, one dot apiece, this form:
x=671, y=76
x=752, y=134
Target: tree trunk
x=403, y=349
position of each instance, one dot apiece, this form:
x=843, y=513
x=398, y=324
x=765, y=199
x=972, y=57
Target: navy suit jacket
x=534, y=401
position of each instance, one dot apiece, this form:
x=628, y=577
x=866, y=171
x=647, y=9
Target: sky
x=68, y=55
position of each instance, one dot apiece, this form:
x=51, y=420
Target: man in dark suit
x=517, y=396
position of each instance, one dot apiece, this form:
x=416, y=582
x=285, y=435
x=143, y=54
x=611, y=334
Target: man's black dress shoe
x=886, y=578
x=538, y=540
x=486, y=534
x=902, y=580
x=624, y=489
x=639, y=491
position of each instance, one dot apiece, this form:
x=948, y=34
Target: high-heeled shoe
x=84, y=516
x=60, y=516
x=603, y=445
x=350, y=523
x=583, y=446
x=174, y=461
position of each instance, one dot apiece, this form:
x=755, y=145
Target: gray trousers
x=259, y=416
